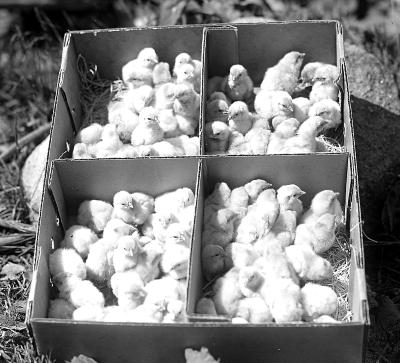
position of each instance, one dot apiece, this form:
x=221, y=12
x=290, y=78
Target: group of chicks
x=153, y=114
x=261, y=254
x=283, y=122
x=125, y=261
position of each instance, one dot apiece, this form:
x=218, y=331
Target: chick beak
x=288, y=107
x=300, y=193
x=225, y=112
x=337, y=195
x=130, y=204
x=130, y=253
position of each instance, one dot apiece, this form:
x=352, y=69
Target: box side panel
x=110, y=50
x=234, y=344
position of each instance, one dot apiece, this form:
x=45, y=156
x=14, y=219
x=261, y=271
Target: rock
x=376, y=112
x=33, y=178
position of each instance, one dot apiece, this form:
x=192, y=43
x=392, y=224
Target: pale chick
x=164, y=148
x=301, y=107
x=157, y=223
x=146, y=313
x=258, y=140
x=326, y=201
x=139, y=71
x=219, y=229
x=124, y=119
x=99, y=263
x=90, y=134
x=284, y=228
x=77, y=291
x=187, y=101
x=239, y=118
x=184, y=58
x=188, y=145
x=163, y=290
x=60, y=309
x=307, y=264
x=254, y=310
x=201, y=356
x=128, y=287
x=180, y=60
x=260, y=122
x=126, y=254
x=283, y=132
x=227, y=293
x=126, y=152
x=217, y=110
x=285, y=74
x=307, y=74
x=278, y=120
x=216, y=137
x=148, y=261
x=114, y=313
x=325, y=319
x=179, y=233
x=304, y=141
x=109, y=144
x=79, y=238
x=329, y=110
x=320, y=235
x=161, y=74
x=81, y=151
x=132, y=208
x=174, y=201
x=174, y=262
x=255, y=187
x=139, y=98
x=187, y=125
x=186, y=74
x=238, y=86
x=220, y=195
x=237, y=144
x=214, y=261
x=318, y=300
x=164, y=96
x=250, y=280
x=66, y=261
x=116, y=228
x=206, y=306
x=169, y=123
x=148, y=131
x=269, y=104
x=89, y=313
x=238, y=202
x=323, y=90
x=175, y=312
x=289, y=198
x=137, y=77
x=326, y=72
x=241, y=254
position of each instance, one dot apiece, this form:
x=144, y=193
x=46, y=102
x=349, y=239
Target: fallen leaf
x=11, y=271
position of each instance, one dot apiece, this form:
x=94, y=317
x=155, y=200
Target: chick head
x=128, y=245
x=182, y=58
x=238, y=110
x=65, y=281
x=217, y=130
x=184, y=92
x=81, y=151
x=175, y=261
x=255, y=187
x=218, y=96
x=326, y=72
x=293, y=58
x=283, y=102
x=327, y=109
x=217, y=109
x=177, y=234
x=220, y=195
x=165, y=218
x=266, y=195
x=186, y=197
x=250, y=278
x=323, y=201
x=314, y=124
x=148, y=57
x=123, y=200
x=213, y=260
x=185, y=73
x=287, y=193
x=236, y=73
x=224, y=217
x=148, y=116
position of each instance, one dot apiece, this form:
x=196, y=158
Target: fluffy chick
x=79, y=238
x=237, y=144
x=283, y=132
x=318, y=300
x=213, y=261
x=179, y=233
x=301, y=106
x=109, y=144
x=254, y=310
x=326, y=72
x=116, y=228
x=90, y=134
x=126, y=151
x=239, y=201
x=124, y=119
x=326, y=319
x=148, y=260
x=217, y=110
x=186, y=74
x=187, y=101
x=324, y=90
x=169, y=123
x=307, y=75
x=319, y=235
x=240, y=254
x=289, y=198
x=126, y=253
x=307, y=264
x=81, y=151
x=163, y=290
x=201, y=356
x=132, y=208
x=180, y=60
x=219, y=229
x=60, y=309
x=148, y=131
x=174, y=201
x=139, y=98
x=146, y=313
x=255, y=187
x=238, y=86
x=89, y=313
x=145, y=60
x=128, y=287
x=164, y=96
x=250, y=280
x=323, y=202
x=284, y=228
x=329, y=110
x=206, y=306
x=258, y=140
x=174, y=261
x=156, y=224
x=161, y=73
x=216, y=137
x=285, y=74
x=99, y=264
x=239, y=118
x=269, y=104
x=187, y=125
x=220, y=195
x=66, y=260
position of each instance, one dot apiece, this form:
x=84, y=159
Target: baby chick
x=128, y=287
x=145, y=61
x=250, y=280
x=269, y=104
x=318, y=300
x=148, y=260
x=283, y=132
x=139, y=98
x=156, y=224
x=237, y=144
x=99, y=264
x=81, y=151
x=116, y=228
x=325, y=319
x=124, y=119
x=206, y=306
x=186, y=74
x=238, y=199
x=163, y=290
x=126, y=151
x=90, y=134
x=307, y=264
x=187, y=101
x=301, y=106
x=146, y=313
x=164, y=96
x=323, y=202
x=323, y=90
x=161, y=74
x=169, y=123
x=126, y=254
x=329, y=110
x=174, y=261
x=220, y=195
x=284, y=228
x=60, y=309
x=213, y=261
x=89, y=313
x=307, y=75
x=79, y=238
x=326, y=72
x=227, y=293
x=217, y=110
x=148, y=131
x=288, y=198
x=137, y=77
x=187, y=125
x=239, y=118
x=219, y=229
x=202, y=356
x=285, y=74
x=179, y=233
x=258, y=140
x=238, y=86
x=255, y=187
x=110, y=142
x=188, y=145
x=66, y=260
x=240, y=254
x=216, y=137
x=174, y=201
x=132, y=208
x=254, y=310
x=319, y=235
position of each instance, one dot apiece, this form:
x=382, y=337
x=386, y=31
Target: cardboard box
x=67, y=182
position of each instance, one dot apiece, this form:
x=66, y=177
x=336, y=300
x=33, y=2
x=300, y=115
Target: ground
x=30, y=49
